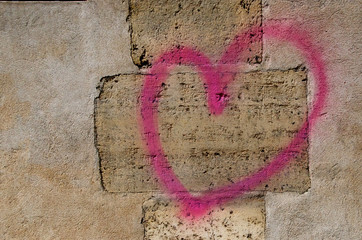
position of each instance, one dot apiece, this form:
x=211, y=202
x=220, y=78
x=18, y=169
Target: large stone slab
x=242, y=219
x=265, y=110
x=206, y=25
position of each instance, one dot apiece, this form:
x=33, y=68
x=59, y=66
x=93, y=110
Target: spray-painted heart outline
x=216, y=79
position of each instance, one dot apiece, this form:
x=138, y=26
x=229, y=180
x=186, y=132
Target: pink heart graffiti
x=216, y=78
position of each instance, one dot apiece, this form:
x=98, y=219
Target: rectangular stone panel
x=241, y=219
x=264, y=111
x=209, y=26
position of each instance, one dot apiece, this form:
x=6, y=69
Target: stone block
x=241, y=219
x=208, y=26
x=265, y=110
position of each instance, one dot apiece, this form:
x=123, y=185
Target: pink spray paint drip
x=216, y=78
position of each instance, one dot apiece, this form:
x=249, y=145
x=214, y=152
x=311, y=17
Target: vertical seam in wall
x=100, y=87
x=308, y=129
x=142, y=222
x=99, y=165
x=130, y=30
x=262, y=34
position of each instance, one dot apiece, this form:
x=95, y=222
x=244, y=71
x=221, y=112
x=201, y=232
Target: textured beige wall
x=331, y=209
x=52, y=58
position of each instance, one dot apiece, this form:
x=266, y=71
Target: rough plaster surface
x=12, y=108
x=157, y=25
x=52, y=56
x=265, y=109
x=332, y=208
x=242, y=219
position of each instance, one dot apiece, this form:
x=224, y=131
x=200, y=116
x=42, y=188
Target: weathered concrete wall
x=59, y=108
